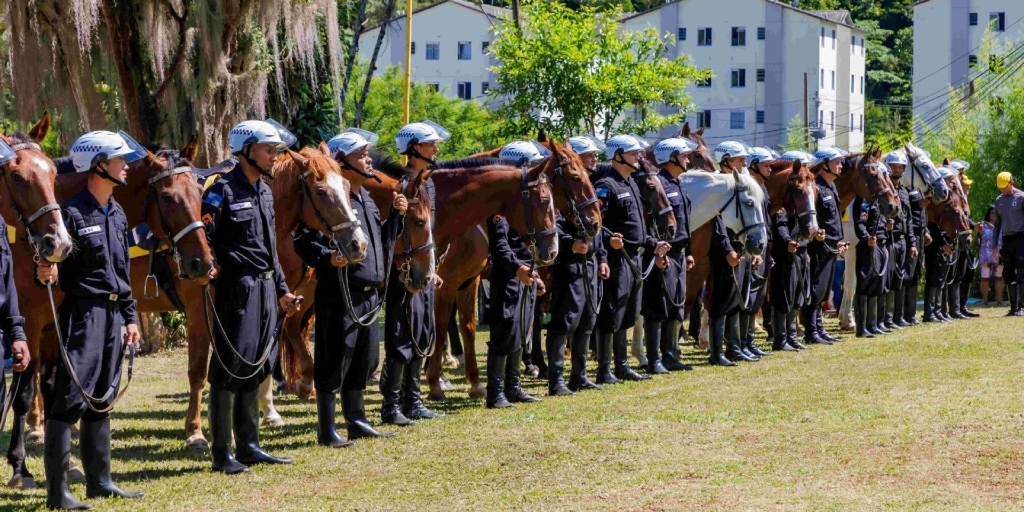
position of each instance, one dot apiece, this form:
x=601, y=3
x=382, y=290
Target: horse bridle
x=876, y=196
x=525, y=189
x=351, y=225
x=43, y=210
x=588, y=227
x=663, y=211
x=410, y=251
x=735, y=198
x=928, y=192
x=192, y=226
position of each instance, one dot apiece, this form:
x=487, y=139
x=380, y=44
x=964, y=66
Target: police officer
x=790, y=279
x=238, y=210
x=664, y=293
x=626, y=234
x=759, y=165
x=902, y=245
x=1009, y=232
x=725, y=256
x=939, y=256
x=872, y=230
x=347, y=338
x=514, y=289
x=581, y=265
x=406, y=316
x=97, y=297
x=915, y=266
x=826, y=247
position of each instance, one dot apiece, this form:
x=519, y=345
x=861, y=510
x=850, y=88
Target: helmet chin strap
x=413, y=153
x=245, y=155
x=758, y=171
x=367, y=175
x=104, y=174
x=618, y=158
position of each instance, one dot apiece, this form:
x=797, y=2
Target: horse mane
x=64, y=165
x=320, y=165
x=388, y=165
x=468, y=163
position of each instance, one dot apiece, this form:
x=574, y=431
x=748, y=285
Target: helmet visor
x=137, y=152
x=6, y=153
x=287, y=137
x=441, y=132
x=370, y=137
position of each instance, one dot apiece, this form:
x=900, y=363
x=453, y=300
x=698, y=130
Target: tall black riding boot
x=872, y=318
x=513, y=369
x=943, y=309
x=1020, y=300
x=57, y=455
x=652, y=345
x=1011, y=292
x=621, y=354
x=897, y=308
x=556, y=364
x=860, y=308
x=779, y=340
x=747, y=336
x=247, y=431
x=965, y=293
x=326, y=432
x=496, y=380
x=412, y=401
x=604, y=358
x=717, y=340
x=930, y=298
x=811, y=335
x=954, y=302
x=732, y=340
x=220, y=428
x=354, y=409
x=578, y=379
x=391, y=375
x=910, y=304
x=889, y=309
x=94, y=441
x=819, y=323
x=670, y=358
x=792, y=330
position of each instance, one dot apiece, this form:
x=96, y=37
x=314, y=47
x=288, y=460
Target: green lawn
x=930, y=418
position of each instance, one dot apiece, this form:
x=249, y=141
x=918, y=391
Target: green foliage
x=576, y=70
x=886, y=126
x=795, y=135
x=177, y=329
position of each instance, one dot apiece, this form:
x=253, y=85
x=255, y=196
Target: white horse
x=923, y=176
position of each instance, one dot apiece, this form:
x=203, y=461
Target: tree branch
x=179, y=55
x=233, y=20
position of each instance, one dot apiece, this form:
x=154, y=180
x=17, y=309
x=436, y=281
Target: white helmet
x=100, y=146
x=896, y=158
x=258, y=132
x=760, y=155
x=804, y=157
x=584, y=144
x=351, y=140
x=730, y=149
x=959, y=166
x=7, y=153
x=828, y=154
x=522, y=151
x=668, y=148
x=419, y=133
x=622, y=143
x=946, y=172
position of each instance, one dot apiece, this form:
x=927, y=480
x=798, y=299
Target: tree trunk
x=357, y=30
x=389, y=12
x=154, y=333
x=75, y=64
x=133, y=71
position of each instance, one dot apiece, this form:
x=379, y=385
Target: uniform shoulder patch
x=602, y=192
x=213, y=199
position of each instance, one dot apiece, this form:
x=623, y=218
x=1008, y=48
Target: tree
x=570, y=70
x=796, y=135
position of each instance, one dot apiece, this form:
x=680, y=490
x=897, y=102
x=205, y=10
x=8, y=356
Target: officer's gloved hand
x=46, y=273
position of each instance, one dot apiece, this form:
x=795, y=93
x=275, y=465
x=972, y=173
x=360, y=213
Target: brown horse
x=797, y=198
x=170, y=199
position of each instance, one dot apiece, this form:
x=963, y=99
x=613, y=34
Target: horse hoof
x=36, y=436
x=437, y=397
x=450, y=362
x=305, y=391
x=446, y=385
x=478, y=391
x=196, y=442
x=16, y=482
x=273, y=420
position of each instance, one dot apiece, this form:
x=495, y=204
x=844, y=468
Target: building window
x=704, y=36
x=760, y=33
x=972, y=60
x=821, y=119
x=681, y=34
x=821, y=81
x=760, y=75
x=484, y=87
x=852, y=118
x=484, y=46
x=822, y=37
x=832, y=119
x=833, y=39
x=853, y=83
x=853, y=45
x=760, y=117
x=434, y=86
x=433, y=51
x=739, y=78
x=465, y=50
x=862, y=84
x=705, y=82
x=973, y=17
x=737, y=120
x=833, y=80
x=739, y=36
x=704, y=119
x=862, y=122
x=465, y=90
x=412, y=47
x=998, y=21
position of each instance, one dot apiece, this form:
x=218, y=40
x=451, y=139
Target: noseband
x=307, y=194
x=735, y=198
x=584, y=223
x=525, y=188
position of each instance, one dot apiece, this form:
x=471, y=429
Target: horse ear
x=324, y=149
x=541, y=136
x=191, y=150
x=700, y=131
x=299, y=159
x=39, y=131
x=417, y=182
x=797, y=165
x=945, y=162
x=685, y=132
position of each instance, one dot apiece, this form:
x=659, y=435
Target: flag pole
x=408, y=61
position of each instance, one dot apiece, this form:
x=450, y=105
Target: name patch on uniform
x=214, y=200
x=240, y=206
x=672, y=194
x=826, y=198
x=623, y=195
x=89, y=230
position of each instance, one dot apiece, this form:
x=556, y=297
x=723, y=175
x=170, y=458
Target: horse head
x=534, y=208
x=749, y=208
x=799, y=200
x=700, y=159
x=29, y=181
x=415, y=253
x=869, y=182
x=311, y=183
x=952, y=218
x=173, y=208
x=924, y=175
x=577, y=198
x=652, y=194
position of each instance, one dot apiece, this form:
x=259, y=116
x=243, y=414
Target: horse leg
x=21, y=477
x=198, y=360
x=846, y=319
x=34, y=418
x=704, y=340
x=466, y=303
x=304, y=383
x=445, y=301
x=637, y=343
x=271, y=418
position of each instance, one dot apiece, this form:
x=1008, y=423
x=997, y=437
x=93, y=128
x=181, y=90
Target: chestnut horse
x=162, y=192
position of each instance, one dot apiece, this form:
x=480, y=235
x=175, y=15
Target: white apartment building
x=449, y=51
x=948, y=47
x=759, y=52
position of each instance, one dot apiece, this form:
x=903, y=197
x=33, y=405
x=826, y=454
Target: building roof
x=841, y=17
x=490, y=11
x=919, y=2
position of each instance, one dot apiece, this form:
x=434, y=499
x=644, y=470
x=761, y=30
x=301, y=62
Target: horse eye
x=166, y=197
x=321, y=192
x=750, y=202
x=576, y=178
x=421, y=223
x=19, y=178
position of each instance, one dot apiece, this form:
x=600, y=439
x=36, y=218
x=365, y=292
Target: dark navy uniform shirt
x=867, y=221
x=622, y=211
x=918, y=216
x=508, y=250
x=681, y=207
x=239, y=219
x=903, y=225
x=11, y=321
x=98, y=267
x=830, y=218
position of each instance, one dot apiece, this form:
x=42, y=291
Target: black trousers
x=345, y=353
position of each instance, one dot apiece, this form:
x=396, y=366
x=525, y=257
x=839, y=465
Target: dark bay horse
x=162, y=192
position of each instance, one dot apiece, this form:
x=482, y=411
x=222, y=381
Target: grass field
x=930, y=418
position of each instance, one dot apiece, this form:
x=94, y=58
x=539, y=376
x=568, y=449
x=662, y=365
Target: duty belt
x=258, y=274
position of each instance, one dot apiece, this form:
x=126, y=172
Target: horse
x=799, y=199
x=170, y=204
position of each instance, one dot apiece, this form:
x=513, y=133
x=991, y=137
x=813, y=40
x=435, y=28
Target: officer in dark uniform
x=408, y=318
x=902, y=246
x=872, y=266
x=915, y=265
x=238, y=210
x=790, y=278
x=939, y=263
x=347, y=344
x=625, y=234
x=759, y=165
x=827, y=245
x=514, y=288
x=97, y=297
x=664, y=293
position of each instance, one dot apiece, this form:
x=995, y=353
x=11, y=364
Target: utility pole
x=515, y=14
x=408, y=63
x=807, y=126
